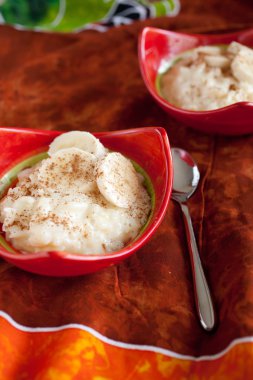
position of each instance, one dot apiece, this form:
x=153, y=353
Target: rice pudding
x=209, y=77
x=82, y=199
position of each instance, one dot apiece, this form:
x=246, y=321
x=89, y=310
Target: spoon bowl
x=186, y=175
x=185, y=181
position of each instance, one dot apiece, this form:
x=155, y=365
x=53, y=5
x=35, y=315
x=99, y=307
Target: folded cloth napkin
x=136, y=320
x=76, y=15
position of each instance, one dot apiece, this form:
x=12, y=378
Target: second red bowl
x=157, y=46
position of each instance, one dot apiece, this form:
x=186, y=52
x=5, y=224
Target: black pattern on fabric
x=123, y=12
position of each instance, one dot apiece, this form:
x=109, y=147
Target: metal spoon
x=185, y=181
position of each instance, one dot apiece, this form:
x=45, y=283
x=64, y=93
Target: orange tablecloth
x=135, y=320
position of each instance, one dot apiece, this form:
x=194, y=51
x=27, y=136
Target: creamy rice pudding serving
x=82, y=199
x=209, y=77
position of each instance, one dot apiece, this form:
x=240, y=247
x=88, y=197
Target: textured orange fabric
x=92, y=81
x=72, y=353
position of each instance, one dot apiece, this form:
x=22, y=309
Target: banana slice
x=68, y=170
x=242, y=66
x=117, y=180
x=77, y=139
x=217, y=61
x=235, y=48
x=210, y=50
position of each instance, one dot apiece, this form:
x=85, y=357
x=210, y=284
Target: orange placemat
x=79, y=352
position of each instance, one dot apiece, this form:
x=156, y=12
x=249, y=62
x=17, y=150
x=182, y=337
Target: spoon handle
x=201, y=290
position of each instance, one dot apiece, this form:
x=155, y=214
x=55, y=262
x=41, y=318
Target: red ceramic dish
x=148, y=147
x=157, y=46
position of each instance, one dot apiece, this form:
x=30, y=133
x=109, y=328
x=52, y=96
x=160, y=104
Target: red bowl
x=148, y=147
x=157, y=46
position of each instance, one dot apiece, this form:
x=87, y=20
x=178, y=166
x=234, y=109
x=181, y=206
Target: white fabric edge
x=123, y=345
